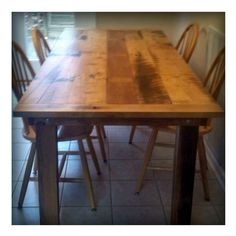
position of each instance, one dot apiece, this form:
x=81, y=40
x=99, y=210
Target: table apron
x=123, y=121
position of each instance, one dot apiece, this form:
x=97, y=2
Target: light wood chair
x=43, y=50
x=188, y=41
x=212, y=82
x=185, y=46
x=40, y=44
x=22, y=75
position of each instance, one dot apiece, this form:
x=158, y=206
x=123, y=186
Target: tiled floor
x=115, y=188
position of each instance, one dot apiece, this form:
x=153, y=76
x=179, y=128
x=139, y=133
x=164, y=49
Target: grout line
x=218, y=215
x=13, y=189
x=162, y=203
x=22, y=168
x=16, y=207
x=109, y=171
x=63, y=184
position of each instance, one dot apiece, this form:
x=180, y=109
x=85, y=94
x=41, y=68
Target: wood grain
x=184, y=170
x=129, y=73
x=48, y=173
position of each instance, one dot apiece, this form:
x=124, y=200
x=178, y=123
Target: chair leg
x=103, y=131
x=101, y=143
x=62, y=164
x=147, y=158
x=93, y=154
x=35, y=168
x=131, y=136
x=87, y=176
x=203, y=167
x=27, y=175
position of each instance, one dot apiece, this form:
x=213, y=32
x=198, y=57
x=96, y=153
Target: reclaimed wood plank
x=113, y=70
x=184, y=171
x=48, y=174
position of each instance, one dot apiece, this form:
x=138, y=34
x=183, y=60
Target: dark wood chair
x=43, y=50
x=212, y=82
x=22, y=76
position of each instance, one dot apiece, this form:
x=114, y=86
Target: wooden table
x=116, y=77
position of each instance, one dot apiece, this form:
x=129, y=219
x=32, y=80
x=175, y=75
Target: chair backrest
x=188, y=41
x=22, y=75
x=22, y=71
x=216, y=75
x=40, y=44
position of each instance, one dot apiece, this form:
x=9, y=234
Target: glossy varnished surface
x=134, y=73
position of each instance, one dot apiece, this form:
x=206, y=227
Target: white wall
x=18, y=28
x=86, y=20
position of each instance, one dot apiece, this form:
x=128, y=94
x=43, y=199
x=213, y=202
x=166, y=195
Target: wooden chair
x=42, y=49
x=40, y=44
x=185, y=47
x=188, y=41
x=22, y=75
x=212, y=82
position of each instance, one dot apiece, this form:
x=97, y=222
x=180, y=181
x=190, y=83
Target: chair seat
x=73, y=132
x=29, y=134
x=64, y=133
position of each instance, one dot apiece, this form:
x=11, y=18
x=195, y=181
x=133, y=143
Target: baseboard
x=218, y=170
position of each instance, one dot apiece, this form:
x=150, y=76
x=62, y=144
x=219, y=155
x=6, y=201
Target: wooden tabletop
x=107, y=73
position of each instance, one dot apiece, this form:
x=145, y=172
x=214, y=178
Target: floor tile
x=74, y=170
x=20, y=151
x=165, y=137
x=74, y=147
x=166, y=170
x=210, y=173
x=84, y=216
x=22, y=173
x=127, y=170
x=142, y=134
x=75, y=194
x=160, y=153
x=123, y=194
x=63, y=146
x=31, y=196
x=122, y=133
x=17, y=168
x=21, y=176
x=165, y=187
x=17, y=136
x=13, y=186
x=163, y=174
x=125, y=151
x=25, y=216
x=217, y=195
x=204, y=215
x=201, y=215
x=138, y=216
x=220, y=209
x=17, y=122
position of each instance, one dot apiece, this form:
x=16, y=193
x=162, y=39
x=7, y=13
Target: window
x=51, y=25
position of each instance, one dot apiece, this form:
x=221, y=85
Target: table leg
x=46, y=142
x=184, y=171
